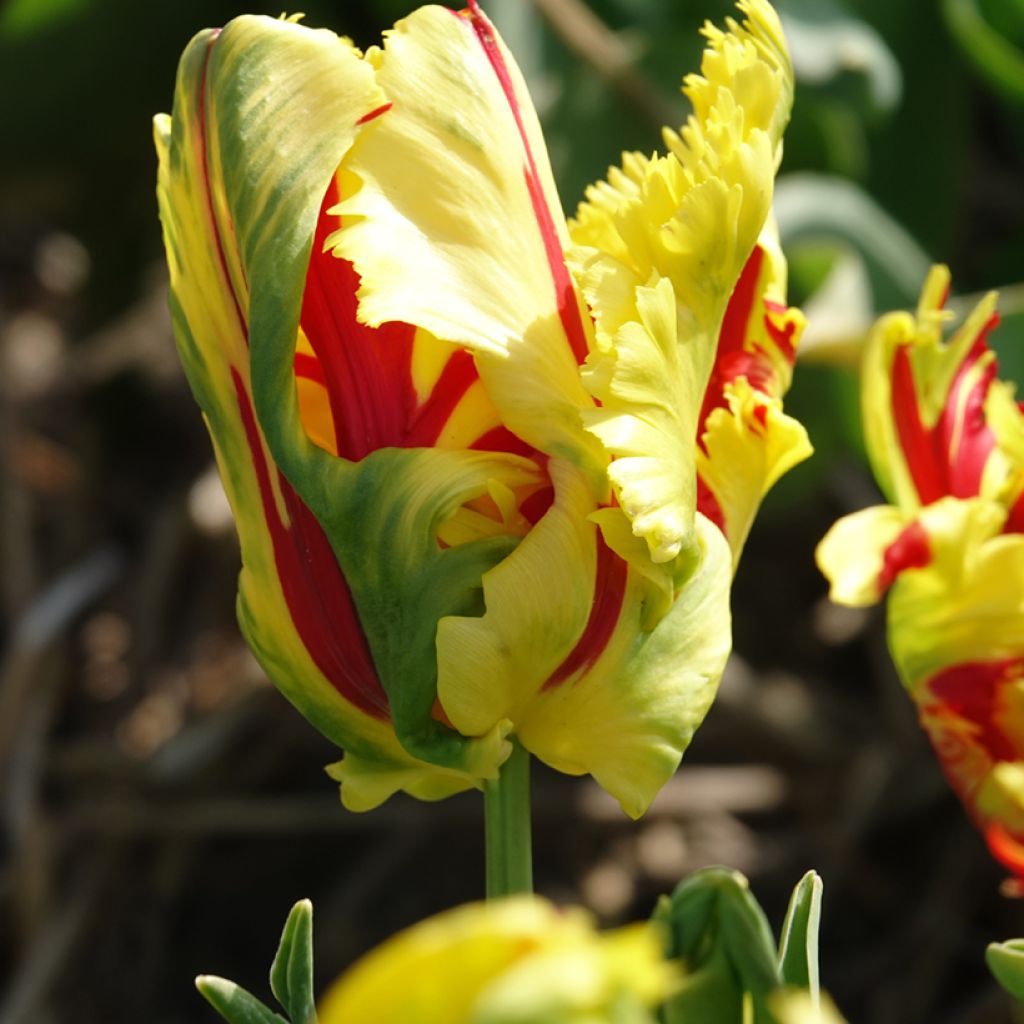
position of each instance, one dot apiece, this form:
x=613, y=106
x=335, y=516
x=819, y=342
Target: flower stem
x=507, y=827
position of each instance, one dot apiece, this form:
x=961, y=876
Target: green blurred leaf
x=826, y=43
x=798, y=941
x=233, y=1003
x=1006, y=962
x=819, y=209
x=1008, y=343
x=990, y=52
x=291, y=974
x=23, y=17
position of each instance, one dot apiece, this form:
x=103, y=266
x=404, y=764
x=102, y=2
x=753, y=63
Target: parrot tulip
x=946, y=440
x=491, y=470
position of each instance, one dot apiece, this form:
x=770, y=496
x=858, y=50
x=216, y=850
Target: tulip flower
x=511, y=962
x=946, y=440
x=490, y=470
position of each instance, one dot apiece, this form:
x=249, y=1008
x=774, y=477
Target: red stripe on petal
x=609, y=592
x=914, y=438
x=949, y=458
x=367, y=370
x=733, y=335
x=1015, y=520
x=1007, y=849
x=308, y=367
x=568, y=307
x=374, y=114
x=534, y=507
x=501, y=439
x=456, y=378
x=708, y=504
x=973, y=691
x=782, y=336
x=732, y=360
x=964, y=434
x=910, y=550
x=314, y=588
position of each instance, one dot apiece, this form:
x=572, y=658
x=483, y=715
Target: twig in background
x=593, y=42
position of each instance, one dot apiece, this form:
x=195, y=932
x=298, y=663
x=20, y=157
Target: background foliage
x=162, y=809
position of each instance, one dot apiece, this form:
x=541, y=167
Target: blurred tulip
x=946, y=440
x=490, y=470
x=515, y=961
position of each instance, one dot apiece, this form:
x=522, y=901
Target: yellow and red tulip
x=946, y=440
x=491, y=470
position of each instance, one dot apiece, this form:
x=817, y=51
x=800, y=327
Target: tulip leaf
x=818, y=208
x=721, y=935
x=827, y=42
x=233, y=1003
x=291, y=979
x=291, y=974
x=798, y=942
x=1006, y=962
x=994, y=56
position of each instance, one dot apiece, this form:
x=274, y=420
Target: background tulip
x=944, y=436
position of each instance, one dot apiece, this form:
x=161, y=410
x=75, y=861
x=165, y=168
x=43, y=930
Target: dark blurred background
x=162, y=807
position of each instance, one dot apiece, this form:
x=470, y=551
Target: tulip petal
x=594, y=682
x=852, y=555
x=968, y=605
x=248, y=103
x=956, y=630
x=635, y=710
x=746, y=441
x=453, y=224
x=924, y=398
x=369, y=388
x=681, y=227
x=538, y=602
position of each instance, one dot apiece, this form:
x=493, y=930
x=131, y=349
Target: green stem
x=507, y=827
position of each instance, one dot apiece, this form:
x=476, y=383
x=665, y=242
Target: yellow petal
x=678, y=229
x=746, y=447
x=582, y=653
x=650, y=387
x=852, y=554
x=630, y=718
x=454, y=225
x=968, y=604
x=538, y=600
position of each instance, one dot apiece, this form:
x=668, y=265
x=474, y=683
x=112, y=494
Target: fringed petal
x=680, y=227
